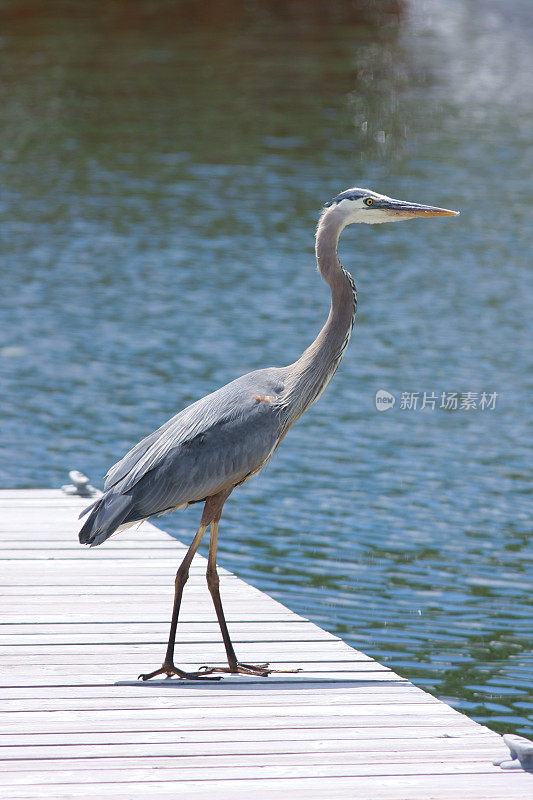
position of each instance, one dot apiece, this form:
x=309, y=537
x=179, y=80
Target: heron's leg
x=213, y=583
x=234, y=666
x=182, y=575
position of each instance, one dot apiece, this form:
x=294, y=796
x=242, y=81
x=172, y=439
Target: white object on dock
x=79, y=626
x=521, y=753
x=79, y=485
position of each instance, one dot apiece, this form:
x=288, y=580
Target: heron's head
x=363, y=205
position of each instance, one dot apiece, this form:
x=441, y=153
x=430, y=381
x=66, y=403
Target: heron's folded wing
x=227, y=433
x=218, y=458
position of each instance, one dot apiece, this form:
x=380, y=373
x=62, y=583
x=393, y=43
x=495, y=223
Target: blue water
x=162, y=177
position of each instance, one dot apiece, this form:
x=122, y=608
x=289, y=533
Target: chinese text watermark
x=448, y=401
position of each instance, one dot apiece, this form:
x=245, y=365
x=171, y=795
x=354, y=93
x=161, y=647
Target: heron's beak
x=408, y=210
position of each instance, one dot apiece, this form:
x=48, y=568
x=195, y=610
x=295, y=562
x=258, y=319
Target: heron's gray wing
x=219, y=458
x=120, y=470
x=213, y=443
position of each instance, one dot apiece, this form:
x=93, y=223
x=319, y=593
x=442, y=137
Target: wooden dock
x=80, y=624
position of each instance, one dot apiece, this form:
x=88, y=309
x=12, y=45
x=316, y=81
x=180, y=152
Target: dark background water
x=163, y=166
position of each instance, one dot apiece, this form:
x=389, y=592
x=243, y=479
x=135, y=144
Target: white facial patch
x=356, y=211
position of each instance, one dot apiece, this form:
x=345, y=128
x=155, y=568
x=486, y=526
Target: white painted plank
x=235, y=712
x=306, y=762
x=266, y=632
x=103, y=602
x=227, y=701
x=379, y=750
x=80, y=722
x=178, y=773
x=60, y=675
x=158, y=616
x=502, y=786
x=289, y=687
x=160, y=575
x=167, y=558
x=296, y=625
x=380, y=737
x=315, y=651
x=109, y=667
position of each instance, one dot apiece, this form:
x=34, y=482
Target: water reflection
x=162, y=176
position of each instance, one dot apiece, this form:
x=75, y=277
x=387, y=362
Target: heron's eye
x=369, y=202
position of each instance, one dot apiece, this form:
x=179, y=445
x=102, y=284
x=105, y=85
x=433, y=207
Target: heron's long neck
x=308, y=377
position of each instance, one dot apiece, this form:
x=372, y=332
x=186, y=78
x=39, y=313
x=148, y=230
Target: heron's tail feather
x=107, y=514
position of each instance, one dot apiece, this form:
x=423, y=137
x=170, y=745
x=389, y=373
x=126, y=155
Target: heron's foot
x=260, y=670
x=170, y=669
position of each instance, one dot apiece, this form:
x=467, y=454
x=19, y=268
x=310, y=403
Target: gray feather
x=108, y=513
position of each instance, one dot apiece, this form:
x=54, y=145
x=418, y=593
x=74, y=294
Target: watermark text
x=447, y=401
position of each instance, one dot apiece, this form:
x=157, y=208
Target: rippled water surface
x=163, y=165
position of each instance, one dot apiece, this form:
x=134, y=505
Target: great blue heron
x=220, y=441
